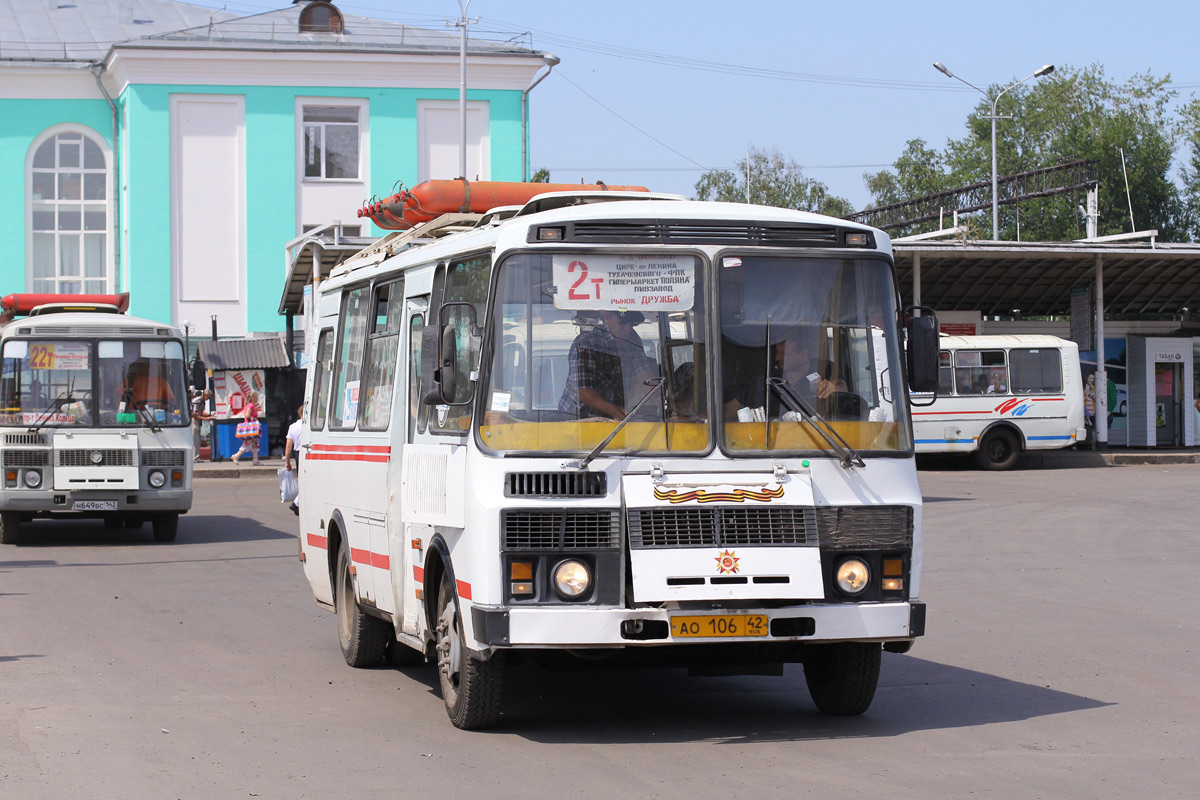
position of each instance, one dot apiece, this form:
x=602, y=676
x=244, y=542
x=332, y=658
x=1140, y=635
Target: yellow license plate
x=719, y=626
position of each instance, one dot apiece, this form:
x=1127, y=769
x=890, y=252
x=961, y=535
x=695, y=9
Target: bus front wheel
x=842, y=677
x=10, y=527
x=166, y=526
x=471, y=688
x=998, y=450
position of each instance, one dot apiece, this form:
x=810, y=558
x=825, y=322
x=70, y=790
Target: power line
x=562, y=75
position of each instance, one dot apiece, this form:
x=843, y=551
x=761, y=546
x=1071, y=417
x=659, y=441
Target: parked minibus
x=1000, y=395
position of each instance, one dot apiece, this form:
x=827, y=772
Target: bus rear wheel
x=471, y=688
x=362, y=637
x=842, y=677
x=10, y=527
x=998, y=450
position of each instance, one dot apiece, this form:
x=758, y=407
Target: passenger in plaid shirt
x=595, y=385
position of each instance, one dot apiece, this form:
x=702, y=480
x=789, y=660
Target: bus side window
x=1036, y=371
x=324, y=370
x=945, y=374
x=418, y=412
x=347, y=368
x=383, y=345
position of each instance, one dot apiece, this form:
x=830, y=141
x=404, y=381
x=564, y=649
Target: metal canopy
x=322, y=249
x=243, y=353
x=1037, y=277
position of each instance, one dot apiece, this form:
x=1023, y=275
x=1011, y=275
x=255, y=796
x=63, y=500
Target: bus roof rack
x=33, y=303
x=397, y=241
x=553, y=200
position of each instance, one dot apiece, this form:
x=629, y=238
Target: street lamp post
x=461, y=23
x=1046, y=70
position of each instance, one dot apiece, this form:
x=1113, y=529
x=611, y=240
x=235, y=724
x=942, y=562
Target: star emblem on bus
x=727, y=562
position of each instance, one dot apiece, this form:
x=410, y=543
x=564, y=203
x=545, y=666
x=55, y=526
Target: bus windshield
x=82, y=383
x=581, y=339
x=142, y=382
x=825, y=327
x=46, y=383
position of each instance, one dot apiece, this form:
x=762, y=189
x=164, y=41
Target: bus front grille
x=26, y=458
x=721, y=527
x=163, y=458
x=865, y=527
x=84, y=458
x=560, y=529
x=24, y=438
x=555, y=484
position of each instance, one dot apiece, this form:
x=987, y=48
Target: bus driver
x=600, y=363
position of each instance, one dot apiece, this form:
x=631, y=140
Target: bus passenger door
x=407, y=561
x=314, y=538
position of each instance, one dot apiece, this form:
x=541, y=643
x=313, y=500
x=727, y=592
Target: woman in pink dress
x=249, y=414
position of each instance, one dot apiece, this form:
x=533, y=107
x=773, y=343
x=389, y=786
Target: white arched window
x=69, y=222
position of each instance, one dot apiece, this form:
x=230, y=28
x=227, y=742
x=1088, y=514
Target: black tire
x=471, y=689
x=363, y=638
x=998, y=450
x=112, y=523
x=398, y=654
x=10, y=527
x=842, y=677
x=165, y=527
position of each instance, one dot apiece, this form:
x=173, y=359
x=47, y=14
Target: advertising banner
x=231, y=387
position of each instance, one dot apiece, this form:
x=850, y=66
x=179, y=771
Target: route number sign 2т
x=602, y=281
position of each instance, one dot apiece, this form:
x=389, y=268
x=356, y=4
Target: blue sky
x=654, y=92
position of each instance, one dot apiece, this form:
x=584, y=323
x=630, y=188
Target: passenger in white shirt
x=291, y=449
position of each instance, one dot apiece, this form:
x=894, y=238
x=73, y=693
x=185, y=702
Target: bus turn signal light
x=521, y=570
x=893, y=567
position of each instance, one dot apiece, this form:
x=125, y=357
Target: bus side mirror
x=440, y=355
x=922, y=350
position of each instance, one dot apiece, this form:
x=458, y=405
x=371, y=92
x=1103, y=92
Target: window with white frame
x=331, y=142
x=69, y=203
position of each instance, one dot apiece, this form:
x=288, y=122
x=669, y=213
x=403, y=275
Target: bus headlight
x=572, y=579
x=157, y=479
x=852, y=576
x=33, y=478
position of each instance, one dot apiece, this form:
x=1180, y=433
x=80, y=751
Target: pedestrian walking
x=249, y=441
x=200, y=414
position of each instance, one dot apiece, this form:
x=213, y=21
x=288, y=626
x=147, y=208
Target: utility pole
x=461, y=23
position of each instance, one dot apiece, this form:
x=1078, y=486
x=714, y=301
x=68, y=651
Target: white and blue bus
x=1000, y=395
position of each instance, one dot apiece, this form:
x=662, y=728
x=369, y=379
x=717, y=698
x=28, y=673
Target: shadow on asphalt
x=636, y=706
x=193, y=529
x=1044, y=459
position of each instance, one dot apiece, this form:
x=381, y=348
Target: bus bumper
x=64, y=502
x=617, y=627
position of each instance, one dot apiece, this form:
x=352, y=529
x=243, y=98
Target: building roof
x=85, y=30
x=260, y=353
x=1037, y=277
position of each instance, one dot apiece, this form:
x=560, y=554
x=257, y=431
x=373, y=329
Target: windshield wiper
x=140, y=407
x=43, y=416
x=655, y=385
x=800, y=406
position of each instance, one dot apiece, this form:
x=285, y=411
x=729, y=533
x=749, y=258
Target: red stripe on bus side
x=381, y=560
x=352, y=448
x=318, y=541
x=418, y=574
x=935, y=413
x=464, y=589
x=360, y=556
x=378, y=459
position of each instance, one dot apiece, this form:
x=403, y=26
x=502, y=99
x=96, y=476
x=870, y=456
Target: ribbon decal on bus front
x=600, y=281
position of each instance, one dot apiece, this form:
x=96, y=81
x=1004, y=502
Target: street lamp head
x=940, y=67
x=553, y=60
x=1046, y=70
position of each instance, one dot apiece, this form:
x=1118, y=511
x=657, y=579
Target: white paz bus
x=94, y=415
x=1000, y=395
x=617, y=428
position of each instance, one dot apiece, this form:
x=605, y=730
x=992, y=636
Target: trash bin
x=225, y=442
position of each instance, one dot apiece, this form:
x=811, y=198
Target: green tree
x=541, y=176
x=1068, y=116
x=1190, y=169
x=774, y=181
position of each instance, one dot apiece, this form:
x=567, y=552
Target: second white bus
x=1000, y=395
